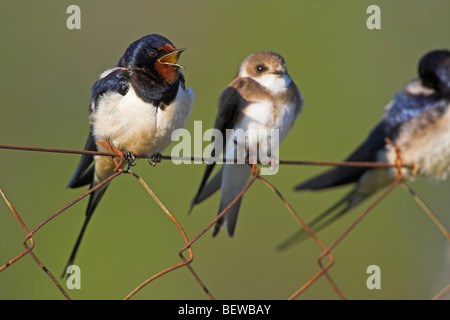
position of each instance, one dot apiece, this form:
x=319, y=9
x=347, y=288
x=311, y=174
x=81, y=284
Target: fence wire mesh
x=325, y=260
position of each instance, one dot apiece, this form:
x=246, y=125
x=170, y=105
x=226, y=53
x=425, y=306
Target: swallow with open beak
x=135, y=107
x=417, y=120
x=261, y=96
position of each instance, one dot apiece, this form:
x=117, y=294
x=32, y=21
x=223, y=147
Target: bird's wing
x=367, y=152
x=114, y=80
x=230, y=104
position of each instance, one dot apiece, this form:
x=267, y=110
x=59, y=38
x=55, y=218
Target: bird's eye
x=261, y=68
x=152, y=53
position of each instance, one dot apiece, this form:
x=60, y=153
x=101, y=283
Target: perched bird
x=261, y=96
x=417, y=120
x=135, y=107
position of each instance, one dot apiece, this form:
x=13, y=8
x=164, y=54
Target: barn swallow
x=417, y=120
x=135, y=106
x=261, y=96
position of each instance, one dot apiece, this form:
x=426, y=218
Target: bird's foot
x=398, y=158
x=130, y=159
x=114, y=150
x=155, y=159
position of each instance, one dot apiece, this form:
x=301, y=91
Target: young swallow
x=417, y=120
x=261, y=96
x=135, y=106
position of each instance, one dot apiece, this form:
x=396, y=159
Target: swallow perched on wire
x=135, y=107
x=261, y=96
x=417, y=120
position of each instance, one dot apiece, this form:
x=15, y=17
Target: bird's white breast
x=139, y=127
x=429, y=148
x=265, y=115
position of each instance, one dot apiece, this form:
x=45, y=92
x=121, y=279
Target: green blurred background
x=347, y=74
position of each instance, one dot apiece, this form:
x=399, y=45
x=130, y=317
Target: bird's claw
x=130, y=159
x=155, y=159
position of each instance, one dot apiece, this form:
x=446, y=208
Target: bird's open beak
x=172, y=58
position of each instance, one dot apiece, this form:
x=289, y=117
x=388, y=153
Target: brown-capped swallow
x=261, y=96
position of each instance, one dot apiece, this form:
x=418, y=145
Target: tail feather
x=333, y=178
x=94, y=200
x=234, y=179
x=207, y=188
x=84, y=174
x=231, y=218
x=367, y=181
x=326, y=218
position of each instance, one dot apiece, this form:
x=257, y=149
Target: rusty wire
x=188, y=243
